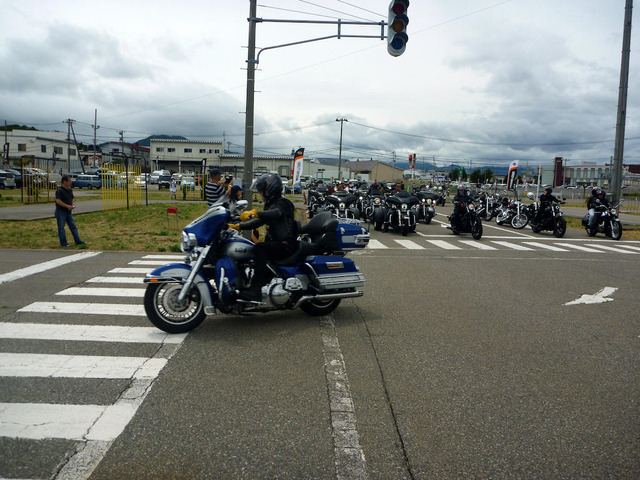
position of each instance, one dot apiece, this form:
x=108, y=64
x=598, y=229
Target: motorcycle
x=549, y=219
x=468, y=221
x=606, y=222
x=317, y=202
x=374, y=210
x=487, y=207
x=512, y=213
x=220, y=265
x=399, y=214
x=342, y=205
x=426, y=209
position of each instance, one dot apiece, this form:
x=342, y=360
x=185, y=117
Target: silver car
x=7, y=180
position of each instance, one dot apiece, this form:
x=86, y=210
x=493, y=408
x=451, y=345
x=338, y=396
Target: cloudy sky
x=481, y=82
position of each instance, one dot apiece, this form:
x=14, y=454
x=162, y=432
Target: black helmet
x=269, y=185
x=548, y=189
x=601, y=192
x=594, y=192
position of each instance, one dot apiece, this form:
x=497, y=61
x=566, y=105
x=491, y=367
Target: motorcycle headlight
x=470, y=206
x=404, y=206
x=341, y=205
x=377, y=200
x=188, y=242
x=613, y=211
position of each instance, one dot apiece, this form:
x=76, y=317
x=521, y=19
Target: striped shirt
x=213, y=192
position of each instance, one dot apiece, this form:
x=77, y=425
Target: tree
x=476, y=176
x=454, y=174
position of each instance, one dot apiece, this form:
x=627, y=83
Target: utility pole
x=248, y=123
x=618, y=153
x=69, y=122
x=341, y=120
x=95, y=128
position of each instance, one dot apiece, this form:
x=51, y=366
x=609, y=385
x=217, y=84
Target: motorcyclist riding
x=461, y=197
x=597, y=201
x=546, y=199
x=280, y=239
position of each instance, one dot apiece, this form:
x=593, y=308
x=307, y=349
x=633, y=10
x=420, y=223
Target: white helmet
x=531, y=196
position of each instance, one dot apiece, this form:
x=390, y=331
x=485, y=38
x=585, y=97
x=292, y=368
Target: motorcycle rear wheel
x=318, y=307
x=167, y=313
x=616, y=230
x=560, y=228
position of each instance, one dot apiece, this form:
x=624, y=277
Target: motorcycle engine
x=280, y=290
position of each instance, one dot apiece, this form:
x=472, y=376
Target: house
x=49, y=151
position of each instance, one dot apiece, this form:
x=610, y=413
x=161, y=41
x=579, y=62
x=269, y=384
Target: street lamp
x=341, y=120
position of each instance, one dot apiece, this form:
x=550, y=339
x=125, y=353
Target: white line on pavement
x=103, y=292
x=115, y=280
x=130, y=270
x=87, y=333
x=78, y=366
x=85, y=308
x=612, y=249
x=580, y=247
x=443, y=244
x=513, y=246
x=409, y=244
x=546, y=247
x=41, y=267
x=374, y=244
x=477, y=244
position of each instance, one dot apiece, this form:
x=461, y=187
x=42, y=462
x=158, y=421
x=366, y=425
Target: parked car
x=293, y=189
x=155, y=175
x=7, y=180
x=87, y=181
x=17, y=175
x=189, y=182
x=164, y=181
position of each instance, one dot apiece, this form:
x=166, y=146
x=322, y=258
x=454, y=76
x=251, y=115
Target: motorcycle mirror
x=242, y=203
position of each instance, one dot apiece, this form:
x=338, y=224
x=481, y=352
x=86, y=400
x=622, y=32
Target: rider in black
x=546, y=200
x=280, y=239
x=461, y=197
x=597, y=201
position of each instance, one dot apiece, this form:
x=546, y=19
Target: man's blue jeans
x=63, y=218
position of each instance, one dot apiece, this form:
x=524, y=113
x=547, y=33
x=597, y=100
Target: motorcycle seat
x=321, y=223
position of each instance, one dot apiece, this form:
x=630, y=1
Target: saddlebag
x=351, y=237
x=336, y=272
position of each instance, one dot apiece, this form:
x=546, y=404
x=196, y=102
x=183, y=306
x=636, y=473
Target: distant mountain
x=146, y=142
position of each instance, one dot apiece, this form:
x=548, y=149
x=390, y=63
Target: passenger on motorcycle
x=596, y=201
x=374, y=189
x=546, y=199
x=280, y=239
x=461, y=197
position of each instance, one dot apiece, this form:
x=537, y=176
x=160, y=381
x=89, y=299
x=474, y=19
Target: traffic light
x=397, y=29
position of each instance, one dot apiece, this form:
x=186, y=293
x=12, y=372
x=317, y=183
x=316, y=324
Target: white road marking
x=409, y=244
x=41, y=267
x=78, y=366
x=178, y=258
x=546, y=247
x=85, y=308
x=580, y=247
x=611, y=249
x=513, y=246
x=103, y=292
x=600, y=297
x=349, y=458
x=477, y=244
x=443, y=244
x=375, y=244
x=157, y=263
x=115, y=280
x=87, y=333
x=630, y=246
x=130, y=270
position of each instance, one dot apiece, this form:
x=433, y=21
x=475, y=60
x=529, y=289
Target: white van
x=156, y=175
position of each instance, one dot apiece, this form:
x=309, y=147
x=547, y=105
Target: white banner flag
x=297, y=166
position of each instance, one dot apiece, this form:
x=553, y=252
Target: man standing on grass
x=216, y=188
x=65, y=203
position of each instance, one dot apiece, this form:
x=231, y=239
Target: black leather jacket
x=594, y=202
x=278, y=216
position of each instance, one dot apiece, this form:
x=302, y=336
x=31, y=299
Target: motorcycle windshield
x=209, y=224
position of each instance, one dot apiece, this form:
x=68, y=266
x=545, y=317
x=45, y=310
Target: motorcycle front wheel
x=519, y=221
x=169, y=314
x=560, y=227
x=318, y=307
x=476, y=229
x=616, y=230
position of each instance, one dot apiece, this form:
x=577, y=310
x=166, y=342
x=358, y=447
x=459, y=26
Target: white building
x=49, y=151
x=184, y=155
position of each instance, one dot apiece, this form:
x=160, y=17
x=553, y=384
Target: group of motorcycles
x=397, y=210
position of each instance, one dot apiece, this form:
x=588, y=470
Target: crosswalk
x=105, y=310
x=522, y=244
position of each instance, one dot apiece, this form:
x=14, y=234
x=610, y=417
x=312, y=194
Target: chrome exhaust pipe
x=329, y=296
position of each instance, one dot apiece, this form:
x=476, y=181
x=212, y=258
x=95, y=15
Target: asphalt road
x=458, y=362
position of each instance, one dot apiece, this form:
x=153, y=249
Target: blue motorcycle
x=220, y=264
